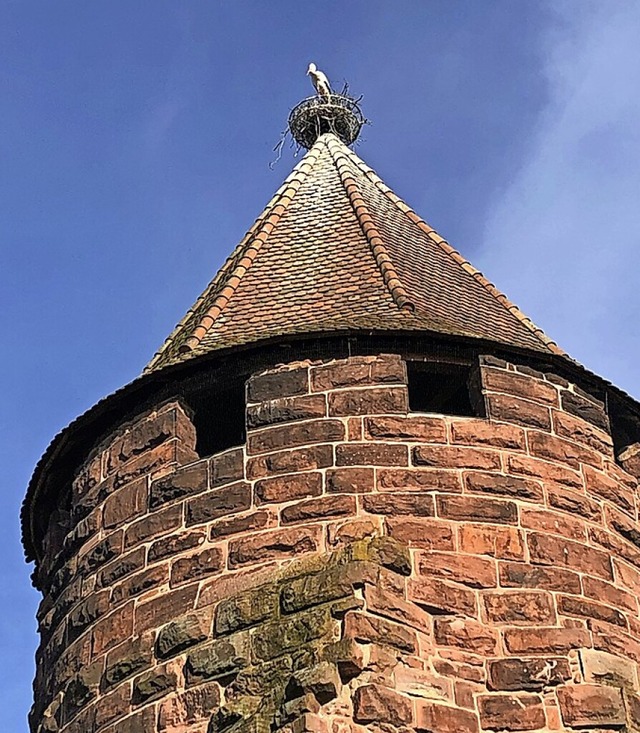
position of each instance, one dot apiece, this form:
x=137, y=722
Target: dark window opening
x=218, y=415
x=448, y=389
x=625, y=429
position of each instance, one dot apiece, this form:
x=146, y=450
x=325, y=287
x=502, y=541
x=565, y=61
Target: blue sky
x=135, y=142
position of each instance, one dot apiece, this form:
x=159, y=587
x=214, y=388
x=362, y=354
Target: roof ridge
x=381, y=255
x=453, y=253
x=249, y=246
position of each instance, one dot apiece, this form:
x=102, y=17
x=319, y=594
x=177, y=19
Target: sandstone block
x=476, y=509
x=369, y=401
x=465, y=634
x=476, y=572
x=186, y=481
x=286, y=409
x=590, y=706
x=530, y=675
x=218, y=503
x=153, y=524
x=545, y=640
x=187, y=708
x=179, y=635
x=350, y=480
x=519, y=607
x=268, y=440
x=195, y=567
x=246, y=609
x=371, y=454
x=274, y=384
x=288, y=487
x=521, y=412
x=511, y=712
x=272, y=545
x=422, y=428
x=290, y=461
x=378, y=704
x=218, y=659
x=395, y=504
x=153, y=684
x=336, y=505
x=433, y=717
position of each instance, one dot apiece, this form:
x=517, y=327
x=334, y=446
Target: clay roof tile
x=336, y=249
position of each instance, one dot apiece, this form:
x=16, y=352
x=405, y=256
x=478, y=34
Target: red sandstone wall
x=506, y=597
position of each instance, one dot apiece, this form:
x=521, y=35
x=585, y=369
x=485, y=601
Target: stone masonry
x=353, y=567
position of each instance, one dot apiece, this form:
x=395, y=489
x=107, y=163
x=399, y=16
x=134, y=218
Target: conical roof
x=334, y=250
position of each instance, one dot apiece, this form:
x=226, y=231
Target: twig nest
x=314, y=116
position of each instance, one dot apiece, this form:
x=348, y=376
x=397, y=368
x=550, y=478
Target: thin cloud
x=563, y=239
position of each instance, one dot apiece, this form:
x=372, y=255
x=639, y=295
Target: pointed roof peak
x=336, y=250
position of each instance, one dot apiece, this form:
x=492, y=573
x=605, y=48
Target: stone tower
x=356, y=490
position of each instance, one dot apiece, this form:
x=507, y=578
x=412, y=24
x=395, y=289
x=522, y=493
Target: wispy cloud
x=564, y=239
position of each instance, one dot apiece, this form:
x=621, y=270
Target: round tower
x=355, y=490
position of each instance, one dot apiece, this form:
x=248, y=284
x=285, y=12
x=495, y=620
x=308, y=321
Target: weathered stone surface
x=152, y=525
x=274, y=384
x=609, y=669
x=267, y=440
x=439, y=596
x=466, y=634
x=179, y=635
x=369, y=629
x=378, y=704
x=219, y=503
x=197, y=566
x=524, y=575
x=347, y=655
x=590, y=706
x=519, y=607
x=312, y=590
x=350, y=480
x=153, y=684
x=273, y=545
x=278, y=637
x=518, y=488
x=239, y=716
x=530, y=675
x=246, y=609
x=477, y=509
x=385, y=551
x=288, y=487
x=140, y=582
x=186, y=481
x=321, y=680
x=511, y=712
x=127, y=660
x=106, y=550
x=336, y=505
x=393, y=504
x=121, y=567
x=545, y=640
x=587, y=409
x=477, y=572
x=286, y=409
x=433, y=717
x=164, y=608
x=188, y=707
x=176, y=544
x=237, y=525
x=290, y=461
x=220, y=658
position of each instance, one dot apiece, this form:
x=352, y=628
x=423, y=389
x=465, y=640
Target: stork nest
x=314, y=116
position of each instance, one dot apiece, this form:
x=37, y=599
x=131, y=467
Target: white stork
x=319, y=81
